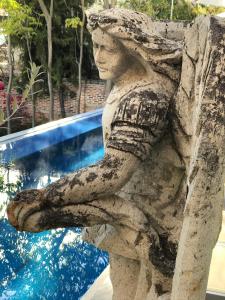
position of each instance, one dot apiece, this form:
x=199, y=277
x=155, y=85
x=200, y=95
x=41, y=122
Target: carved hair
x=135, y=31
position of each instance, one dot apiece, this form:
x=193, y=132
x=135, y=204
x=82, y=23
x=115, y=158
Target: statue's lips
x=102, y=70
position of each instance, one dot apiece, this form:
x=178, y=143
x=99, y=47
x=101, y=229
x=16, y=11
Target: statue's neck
x=133, y=74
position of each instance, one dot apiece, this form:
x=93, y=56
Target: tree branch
x=44, y=10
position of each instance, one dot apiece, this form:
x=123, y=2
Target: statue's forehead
x=101, y=37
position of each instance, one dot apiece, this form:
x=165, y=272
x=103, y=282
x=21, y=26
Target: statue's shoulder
x=142, y=103
x=146, y=94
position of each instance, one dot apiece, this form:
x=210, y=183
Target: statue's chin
x=105, y=75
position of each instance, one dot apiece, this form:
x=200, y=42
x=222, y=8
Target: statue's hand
x=25, y=206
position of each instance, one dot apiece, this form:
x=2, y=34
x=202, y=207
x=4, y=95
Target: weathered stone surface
x=205, y=169
x=159, y=186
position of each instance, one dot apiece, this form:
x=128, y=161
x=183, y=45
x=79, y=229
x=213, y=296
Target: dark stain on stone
x=62, y=182
x=193, y=234
x=129, y=146
x=75, y=181
x=52, y=195
x=108, y=175
x=159, y=290
x=162, y=254
x=138, y=239
x=167, y=174
x=141, y=110
x=103, y=210
x=175, y=213
x=91, y=177
x=193, y=173
x=95, y=20
x=141, y=38
x=131, y=26
x=196, y=214
x=52, y=218
x=107, y=20
x=28, y=196
x=94, y=195
x=110, y=162
x=215, y=27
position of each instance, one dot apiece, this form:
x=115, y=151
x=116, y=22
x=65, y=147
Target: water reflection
x=54, y=264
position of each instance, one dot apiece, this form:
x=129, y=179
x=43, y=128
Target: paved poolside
x=102, y=288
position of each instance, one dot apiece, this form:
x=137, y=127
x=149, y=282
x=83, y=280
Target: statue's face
x=110, y=57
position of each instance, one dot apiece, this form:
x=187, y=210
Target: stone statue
x=162, y=173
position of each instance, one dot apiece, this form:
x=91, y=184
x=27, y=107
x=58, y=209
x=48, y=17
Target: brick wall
x=92, y=97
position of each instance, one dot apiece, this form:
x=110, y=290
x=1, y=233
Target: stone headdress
x=138, y=35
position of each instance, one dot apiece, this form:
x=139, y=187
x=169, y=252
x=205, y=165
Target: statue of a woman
x=138, y=186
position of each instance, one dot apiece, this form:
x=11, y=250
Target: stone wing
x=199, y=134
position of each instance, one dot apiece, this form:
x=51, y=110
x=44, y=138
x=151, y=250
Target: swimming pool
x=57, y=264
x=54, y=264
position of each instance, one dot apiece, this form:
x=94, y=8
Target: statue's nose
x=99, y=57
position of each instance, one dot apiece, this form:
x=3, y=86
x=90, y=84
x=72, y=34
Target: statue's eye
x=111, y=50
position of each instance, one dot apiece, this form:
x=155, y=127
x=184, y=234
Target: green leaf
x=73, y=22
x=33, y=73
x=2, y=116
x=20, y=21
x=15, y=104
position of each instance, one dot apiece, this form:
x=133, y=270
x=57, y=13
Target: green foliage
x=34, y=73
x=1, y=183
x=19, y=20
x=160, y=9
x=8, y=187
x=208, y=10
x=11, y=188
x=2, y=116
x=183, y=10
x=139, y=5
x=65, y=35
x=9, y=5
x=74, y=23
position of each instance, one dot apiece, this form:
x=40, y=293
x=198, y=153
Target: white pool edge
x=47, y=126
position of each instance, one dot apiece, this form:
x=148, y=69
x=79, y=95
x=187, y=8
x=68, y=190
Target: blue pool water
x=54, y=264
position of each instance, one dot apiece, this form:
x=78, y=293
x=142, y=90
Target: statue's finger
x=11, y=213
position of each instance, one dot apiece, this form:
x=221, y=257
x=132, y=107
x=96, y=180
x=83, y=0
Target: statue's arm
x=95, y=181
x=138, y=124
